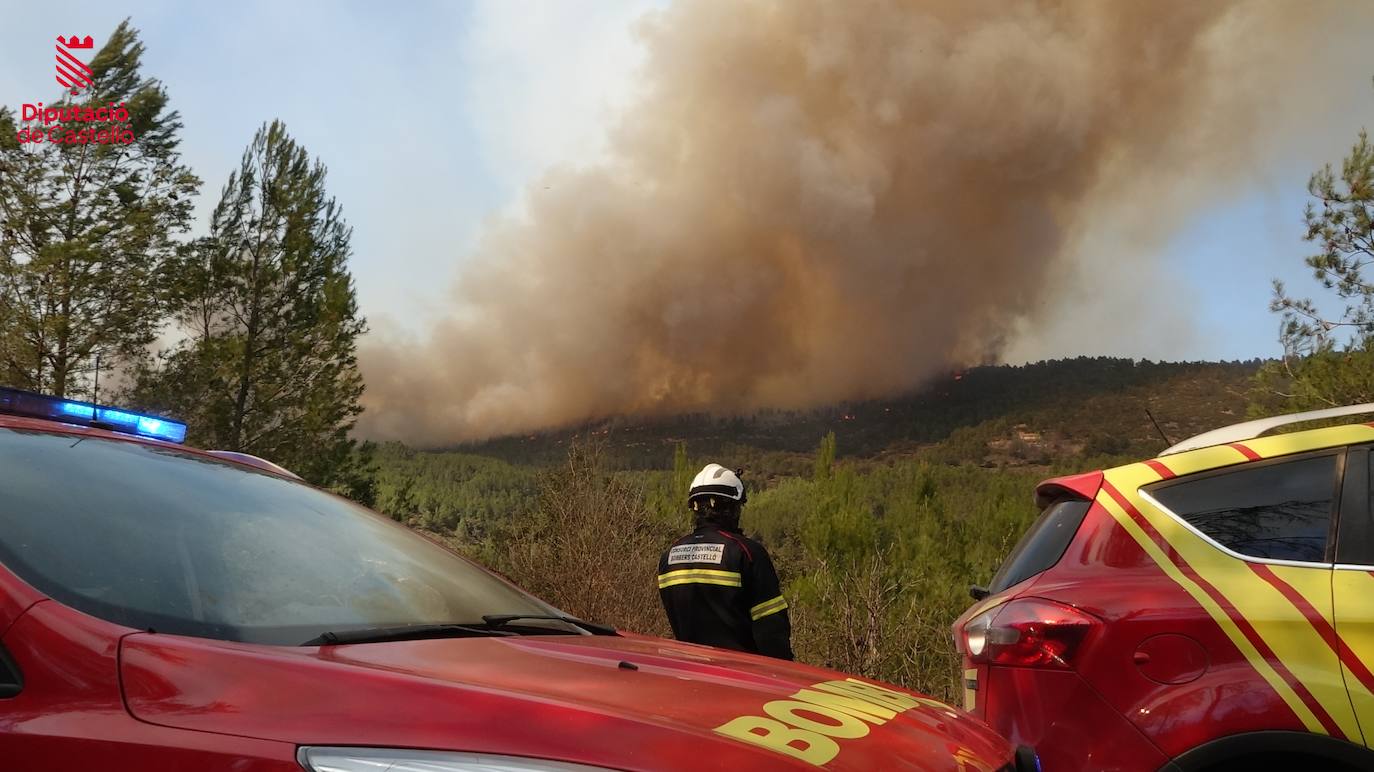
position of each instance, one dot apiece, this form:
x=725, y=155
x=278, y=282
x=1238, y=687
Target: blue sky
x=431, y=117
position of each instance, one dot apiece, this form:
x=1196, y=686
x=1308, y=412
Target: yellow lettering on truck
x=854, y=706
x=811, y=747
x=794, y=712
x=806, y=725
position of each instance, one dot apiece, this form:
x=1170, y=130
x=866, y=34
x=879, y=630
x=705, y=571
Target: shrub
x=591, y=547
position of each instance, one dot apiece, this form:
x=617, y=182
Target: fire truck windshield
x=152, y=537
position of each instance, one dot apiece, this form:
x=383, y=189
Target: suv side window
x=1355, y=544
x=1279, y=510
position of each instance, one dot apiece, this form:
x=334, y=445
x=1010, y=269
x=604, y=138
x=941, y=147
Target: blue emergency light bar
x=27, y=403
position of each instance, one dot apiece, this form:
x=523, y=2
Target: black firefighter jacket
x=720, y=589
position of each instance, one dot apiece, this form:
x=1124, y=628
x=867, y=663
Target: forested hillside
x=1099, y=402
x=880, y=514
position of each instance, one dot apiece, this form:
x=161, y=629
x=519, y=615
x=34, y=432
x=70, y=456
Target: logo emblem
x=73, y=73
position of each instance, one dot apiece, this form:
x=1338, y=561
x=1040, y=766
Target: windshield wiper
x=491, y=625
x=498, y=621
x=403, y=633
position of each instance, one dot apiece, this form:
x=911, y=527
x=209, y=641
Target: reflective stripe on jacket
x=719, y=588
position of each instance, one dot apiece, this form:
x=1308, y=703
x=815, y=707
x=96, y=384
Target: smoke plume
x=815, y=201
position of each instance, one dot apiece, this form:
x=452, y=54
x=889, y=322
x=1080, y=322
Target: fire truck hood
x=627, y=702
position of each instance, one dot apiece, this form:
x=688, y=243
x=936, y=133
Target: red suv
x=163, y=609
x=1210, y=609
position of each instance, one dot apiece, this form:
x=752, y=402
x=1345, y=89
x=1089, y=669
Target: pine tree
x=1329, y=360
x=269, y=363
x=682, y=473
x=1343, y=226
x=86, y=229
x=824, y=466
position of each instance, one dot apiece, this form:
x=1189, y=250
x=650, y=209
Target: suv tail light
x=1028, y=633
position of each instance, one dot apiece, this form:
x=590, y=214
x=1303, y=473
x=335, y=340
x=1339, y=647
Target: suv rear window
x=1280, y=511
x=1043, y=545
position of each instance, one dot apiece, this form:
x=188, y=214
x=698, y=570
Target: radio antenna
x=1168, y=443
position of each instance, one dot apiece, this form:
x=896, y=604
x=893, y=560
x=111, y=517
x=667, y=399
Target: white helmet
x=716, y=480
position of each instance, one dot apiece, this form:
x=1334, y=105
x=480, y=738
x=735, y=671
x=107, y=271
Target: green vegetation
x=86, y=230
x=878, y=561
x=1329, y=358
x=876, y=545
x=267, y=364
x=452, y=493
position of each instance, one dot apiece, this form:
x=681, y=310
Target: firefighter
x=717, y=585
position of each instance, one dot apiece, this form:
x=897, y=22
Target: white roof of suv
x=1252, y=429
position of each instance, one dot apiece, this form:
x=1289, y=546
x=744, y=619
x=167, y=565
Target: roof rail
x=1252, y=429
